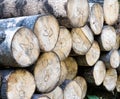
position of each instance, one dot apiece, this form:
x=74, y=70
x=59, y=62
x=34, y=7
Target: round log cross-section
x=19, y=47
x=47, y=72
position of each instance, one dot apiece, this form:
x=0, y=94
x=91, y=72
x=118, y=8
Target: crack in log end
x=2, y=36
x=48, y=7
x=20, y=5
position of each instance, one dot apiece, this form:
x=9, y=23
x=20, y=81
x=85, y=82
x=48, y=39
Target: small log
x=111, y=59
x=91, y=56
x=45, y=27
x=96, y=18
x=18, y=47
x=96, y=74
x=118, y=84
x=73, y=91
x=64, y=44
x=47, y=72
x=63, y=73
x=78, y=12
x=110, y=79
x=72, y=68
x=82, y=83
x=82, y=39
x=111, y=16
x=107, y=39
x=57, y=93
x=38, y=96
x=17, y=84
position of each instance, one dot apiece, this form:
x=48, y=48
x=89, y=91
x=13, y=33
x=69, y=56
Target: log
x=111, y=16
x=57, y=93
x=64, y=44
x=78, y=12
x=73, y=91
x=38, y=96
x=72, y=67
x=107, y=39
x=96, y=74
x=96, y=18
x=19, y=47
x=82, y=83
x=118, y=84
x=17, y=84
x=47, y=72
x=91, y=56
x=45, y=27
x=63, y=73
x=82, y=40
x=110, y=79
x=111, y=59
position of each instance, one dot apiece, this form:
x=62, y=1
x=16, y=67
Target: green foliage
x=92, y=97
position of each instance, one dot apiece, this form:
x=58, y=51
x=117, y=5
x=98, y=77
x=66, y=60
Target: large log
x=91, y=56
x=111, y=59
x=45, y=27
x=83, y=84
x=96, y=18
x=17, y=84
x=72, y=68
x=47, y=72
x=64, y=44
x=107, y=39
x=18, y=47
x=96, y=74
x=110, y=79
x=111, y=16
x=82, y=39
x=57, y=93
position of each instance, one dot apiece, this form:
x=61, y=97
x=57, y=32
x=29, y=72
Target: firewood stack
x=55, y=49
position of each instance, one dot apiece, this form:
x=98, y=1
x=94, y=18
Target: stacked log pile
x=57, y=49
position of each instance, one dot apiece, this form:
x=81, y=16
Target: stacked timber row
x=66, y=45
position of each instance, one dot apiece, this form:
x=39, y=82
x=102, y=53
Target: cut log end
x=25, y=47
x=47, y=29
x=47, y=72
x=20, y=84
x=78, y=12
x=64, y=44
x=96, y=18
x=99, y=72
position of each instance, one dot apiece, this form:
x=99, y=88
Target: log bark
x=96, y=18
x=17, y=84
x=18, y=47
x=45, y=27
x=57, y=93
x=96, y=74
x=111, y=59
x=91, y=56
x=110, y=79
x=118, y=84
x=83, y=84
x=72, y=68
x=107, y=39
x=111, y=16
x=64, y=44
x=47, y=72
x=63, y=73
x=38, y=96
x=73, y=91
x=82, y=39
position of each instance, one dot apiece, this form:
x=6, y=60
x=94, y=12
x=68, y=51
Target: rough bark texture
x=47, y=72
x=72, y=67
x=18, y=84
x=82, y=39
x=91, y=56
x=19, y=47
x=64, y=44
